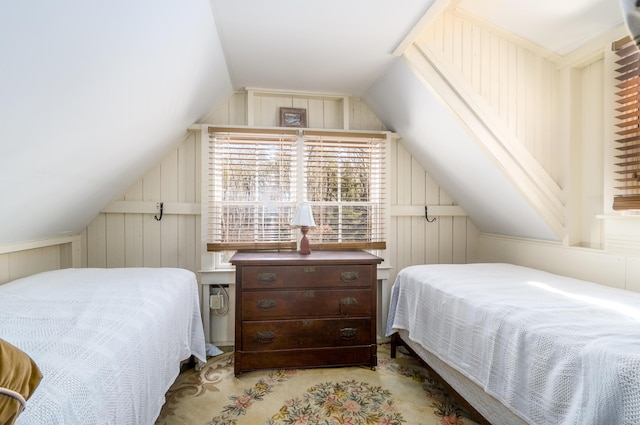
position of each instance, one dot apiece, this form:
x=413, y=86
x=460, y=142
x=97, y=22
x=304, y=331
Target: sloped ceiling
x=94, y=93
x=434, y=137
x=559, y=26
x=331, y=46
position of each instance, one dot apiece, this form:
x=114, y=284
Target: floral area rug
x=398, y=391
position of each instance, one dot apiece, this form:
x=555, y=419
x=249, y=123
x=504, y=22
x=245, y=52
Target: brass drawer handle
x=266, y=278
x=349, y=276
x=344, y=302
x=266, y=304
x=348, y=333
x=266, y=337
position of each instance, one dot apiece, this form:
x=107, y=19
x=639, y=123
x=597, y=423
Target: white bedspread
x=108, y=341
x=555, y=350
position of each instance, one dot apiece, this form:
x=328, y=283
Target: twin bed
x=108, y=342
x=522, y=345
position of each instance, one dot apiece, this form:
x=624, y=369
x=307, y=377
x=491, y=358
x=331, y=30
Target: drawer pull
x=344, y=303
x=349, y=276
x=348, y=333
x=266, y=337
x=266, y=304
x=266, y=278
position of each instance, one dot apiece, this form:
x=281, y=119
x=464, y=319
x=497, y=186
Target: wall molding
x=152, y=207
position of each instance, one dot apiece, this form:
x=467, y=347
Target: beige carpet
x=399, y=391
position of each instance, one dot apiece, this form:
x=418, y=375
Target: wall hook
x=161, y=211
x=426, y=215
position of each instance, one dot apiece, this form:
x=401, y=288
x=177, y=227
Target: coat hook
x=161, y=208
x=426, y=215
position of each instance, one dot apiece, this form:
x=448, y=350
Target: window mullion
x=301, y=191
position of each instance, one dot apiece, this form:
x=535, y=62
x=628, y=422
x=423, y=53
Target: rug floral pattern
x=358, y=396
x=347, y=402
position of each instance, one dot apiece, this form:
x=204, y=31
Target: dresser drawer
x=261, y=305
x=255, y=277
x=305, y=333
x=308, y=357
x=296, y=310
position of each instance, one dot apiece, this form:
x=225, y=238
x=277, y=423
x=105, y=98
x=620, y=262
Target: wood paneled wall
x=413, y=240
x=23, y=259
x=517, y=80
x=130, y=236
x=127, y=239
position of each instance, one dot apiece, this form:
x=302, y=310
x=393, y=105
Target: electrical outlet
x=215, y=302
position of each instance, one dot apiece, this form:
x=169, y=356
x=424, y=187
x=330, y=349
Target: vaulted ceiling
x=94, y=93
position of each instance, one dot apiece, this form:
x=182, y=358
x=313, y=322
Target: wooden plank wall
x=517, y=79
x=15, y=265
x=23, y=259
x=412, y=240
x=137, y=239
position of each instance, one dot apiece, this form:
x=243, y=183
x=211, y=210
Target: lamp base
x=304, y=242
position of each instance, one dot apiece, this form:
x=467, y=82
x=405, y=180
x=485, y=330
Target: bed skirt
x=487, y=406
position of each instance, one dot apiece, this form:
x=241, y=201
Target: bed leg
x=394, y=344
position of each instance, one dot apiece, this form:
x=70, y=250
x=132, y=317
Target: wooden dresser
x=312, y=310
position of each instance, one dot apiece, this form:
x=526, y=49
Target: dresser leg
x=236, y=363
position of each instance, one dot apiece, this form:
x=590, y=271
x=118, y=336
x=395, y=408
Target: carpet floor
x=398, y=391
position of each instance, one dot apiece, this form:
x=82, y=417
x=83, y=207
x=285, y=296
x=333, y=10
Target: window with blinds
x=344, y=182
x=252, y=188
x=257, y=178
x=627, y=141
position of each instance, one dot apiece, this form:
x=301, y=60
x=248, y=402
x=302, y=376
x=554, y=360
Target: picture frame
x=293, y=117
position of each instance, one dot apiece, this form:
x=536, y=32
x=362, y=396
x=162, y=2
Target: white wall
x=595, y=265
x=515, y=81
x=126, y=233
x=571, y=97
x=26, y=258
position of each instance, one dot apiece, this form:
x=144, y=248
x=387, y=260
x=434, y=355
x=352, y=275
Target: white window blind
x=627, y=141
x=344, y=177
x=252, y=188
x=257, y=177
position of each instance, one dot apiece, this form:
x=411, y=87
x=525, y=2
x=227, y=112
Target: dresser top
x=293, y=257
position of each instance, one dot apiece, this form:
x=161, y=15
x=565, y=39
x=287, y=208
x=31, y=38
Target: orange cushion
x=17, y=373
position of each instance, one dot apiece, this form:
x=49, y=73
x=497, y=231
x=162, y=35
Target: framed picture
x=293, y=117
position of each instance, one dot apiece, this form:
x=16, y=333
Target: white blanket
x=107, y=341
x=555, y=350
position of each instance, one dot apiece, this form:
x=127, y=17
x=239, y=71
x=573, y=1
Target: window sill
x=630, y=217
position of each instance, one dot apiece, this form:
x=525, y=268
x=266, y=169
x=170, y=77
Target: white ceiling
x=344, y=46
x=560, y=26
x=93, y=93
x=333, y=46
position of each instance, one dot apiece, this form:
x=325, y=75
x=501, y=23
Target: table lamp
x=303, y=219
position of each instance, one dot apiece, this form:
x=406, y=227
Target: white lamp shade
x=303, y=217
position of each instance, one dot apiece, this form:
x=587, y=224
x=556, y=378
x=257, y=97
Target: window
x=257, y=177
x=344, y=182
x=627, y=141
